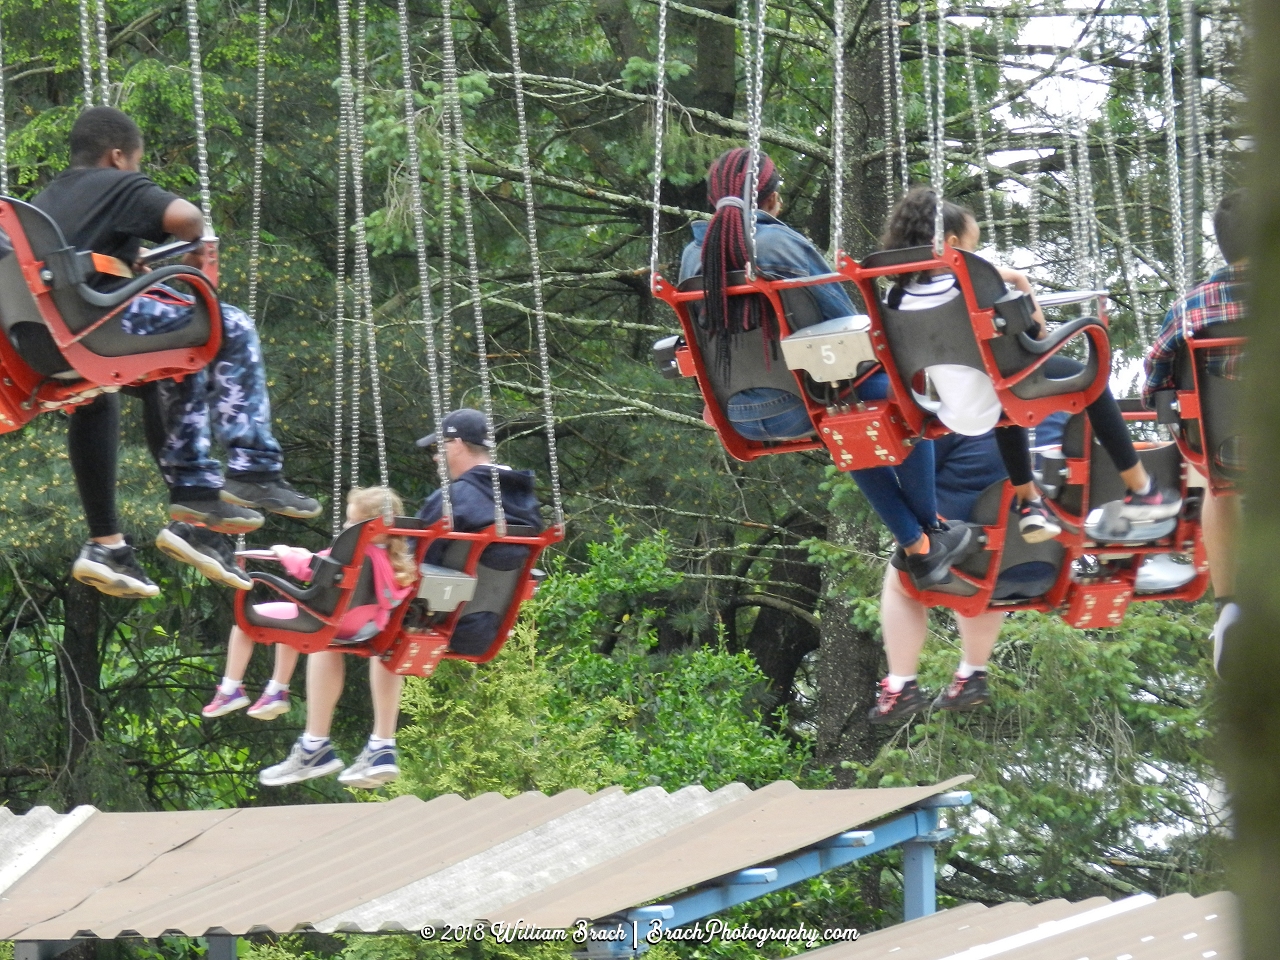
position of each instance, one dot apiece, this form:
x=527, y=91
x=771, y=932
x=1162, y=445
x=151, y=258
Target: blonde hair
x=371, y=502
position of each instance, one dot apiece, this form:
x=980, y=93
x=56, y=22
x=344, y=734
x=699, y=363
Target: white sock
x=379, y=743
x=967, y=669
x=312, y=744
x=228, y=686
x=1151, y=482
x=274, y=688
x=896, y=683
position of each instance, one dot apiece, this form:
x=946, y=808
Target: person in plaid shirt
x=1220, y=299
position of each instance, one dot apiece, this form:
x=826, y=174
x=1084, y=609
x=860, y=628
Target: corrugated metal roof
x=398, y=865
x=1177, y=927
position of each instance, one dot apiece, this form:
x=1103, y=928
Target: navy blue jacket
x=472, y=498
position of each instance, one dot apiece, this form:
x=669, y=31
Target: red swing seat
x=418, y=633
x=1204, y=410
x=1095, y=568
x=821, y=370
x=63, y=342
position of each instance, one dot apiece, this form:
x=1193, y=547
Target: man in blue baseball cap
x=465, y=441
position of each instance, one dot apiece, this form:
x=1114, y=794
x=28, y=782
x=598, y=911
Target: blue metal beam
x=916, y=828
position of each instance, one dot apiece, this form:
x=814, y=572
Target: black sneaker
x=966, y=693
x=113, y=571
x=217, y=515
x=274, y=496
x=890, y=707
x=947, y=543
x=1156, y=505
x=210, y=553
x=1035, y=522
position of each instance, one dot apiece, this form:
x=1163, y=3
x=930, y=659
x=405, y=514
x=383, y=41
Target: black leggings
x=1104, y=416
x=93, y=446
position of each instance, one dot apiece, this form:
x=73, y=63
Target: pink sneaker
x=270, y=706
x=223, y=703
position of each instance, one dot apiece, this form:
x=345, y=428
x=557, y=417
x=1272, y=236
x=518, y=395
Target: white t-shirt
x=969, y=404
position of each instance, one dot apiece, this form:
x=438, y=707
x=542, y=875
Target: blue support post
x=919, y=893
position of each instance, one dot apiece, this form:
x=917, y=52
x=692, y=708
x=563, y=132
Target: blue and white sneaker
x=301, y=764
x=372, y=769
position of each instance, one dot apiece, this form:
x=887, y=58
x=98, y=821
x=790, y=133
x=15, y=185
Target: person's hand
x=194, y=259
x=282, y=551
x=139, y=267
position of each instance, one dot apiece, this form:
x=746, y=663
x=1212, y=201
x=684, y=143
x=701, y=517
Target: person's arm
x=183, y=219
x=295, y=560
x=784, y=252
x=1159, y=361
x=1019, y=281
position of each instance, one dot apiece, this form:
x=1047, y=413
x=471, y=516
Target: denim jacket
x=782, y=254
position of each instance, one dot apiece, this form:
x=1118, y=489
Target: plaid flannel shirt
x=1220, y=299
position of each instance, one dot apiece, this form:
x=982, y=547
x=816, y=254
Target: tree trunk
x=80, y=660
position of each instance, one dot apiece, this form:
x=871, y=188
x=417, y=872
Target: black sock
x=1220, y=602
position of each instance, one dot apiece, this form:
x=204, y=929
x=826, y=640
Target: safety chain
x=900, y=94
x=453, y=101
x=448, y=327
x=1217, y=51
x=659, y=129
x=888, y=28
x=938, y=114
x=103, y=52
x=531, y=221
x=979, y=121
x=346, y=112
x=755, y=111
x=4, y=130
x=1122, y=223
x=837, y=134
x=1195, y=150
x=1084, y=168
x=1171, y=153
x=1144, y=188
x=197, y=102
x=1002, y=142
x=259, y=146
x=420, y=241
x=86, y=53
x=1072, y=189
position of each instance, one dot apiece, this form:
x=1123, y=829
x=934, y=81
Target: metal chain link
x=900, y=97
x=453, y=101
x=1122, y=224
x=1084, y=167
x=755, y=110
x=837, y=135
x=1076, y=215
x=1144, y=189
x=1002, y=143
x=354, y=143
x=362, y=251
x=197, y=102
x=1171, y=152
x=340, y=302
x=104, y=75
x=86, y=53
x=4, y=129
x=888, y=28
x=1033, y=214
x=659, y=129
x=1217, y=51
x=979, y=121
x=531, y=226
x=259, y=148
x=420, y=242
x=937, y=160
x=448, y=327
x=1191, y=152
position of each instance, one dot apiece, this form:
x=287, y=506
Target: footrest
x=416, y=654
x=874, y=436
x=1105, y=525
x=1094, y=606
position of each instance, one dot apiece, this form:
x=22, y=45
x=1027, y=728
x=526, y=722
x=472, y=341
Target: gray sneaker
x=274, y=496
x=300, y=765
x=208, y=552
x=372, y=769
x=217, y=515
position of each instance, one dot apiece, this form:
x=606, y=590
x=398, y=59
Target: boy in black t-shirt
x=103, y=203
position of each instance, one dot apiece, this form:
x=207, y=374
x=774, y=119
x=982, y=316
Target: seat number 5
x=828, y=355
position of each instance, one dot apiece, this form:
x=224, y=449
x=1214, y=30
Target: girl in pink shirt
x=394, y=574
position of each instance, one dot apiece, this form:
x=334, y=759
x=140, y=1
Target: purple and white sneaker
x=270, y=705
x=223, y=703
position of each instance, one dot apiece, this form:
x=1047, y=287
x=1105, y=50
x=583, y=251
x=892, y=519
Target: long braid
x=724, y=248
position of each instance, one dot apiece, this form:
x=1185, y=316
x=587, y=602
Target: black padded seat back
x=1071, y=496
x=495, y=589
x=1220, y=401
x=1163, y=461
x=109, y=340
x=325, y=591
x=753, y=360
x=23, y=324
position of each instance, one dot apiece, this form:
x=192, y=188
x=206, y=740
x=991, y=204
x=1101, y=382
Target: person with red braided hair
x=763, y=402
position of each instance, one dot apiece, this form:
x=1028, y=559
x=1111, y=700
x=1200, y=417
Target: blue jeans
x=228, y=399
x=767, y=413
x=903, y=496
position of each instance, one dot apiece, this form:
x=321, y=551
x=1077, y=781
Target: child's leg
x=903, y=624
x=325, y=674
x=286, y=663
x=385, y=688
x=241, y=407
x=239, y=652
x=978, y=637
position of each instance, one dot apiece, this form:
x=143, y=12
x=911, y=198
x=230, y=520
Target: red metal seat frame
x=1191, y=406
x=404, y=650
x=24, y=393
x=1101, y=602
